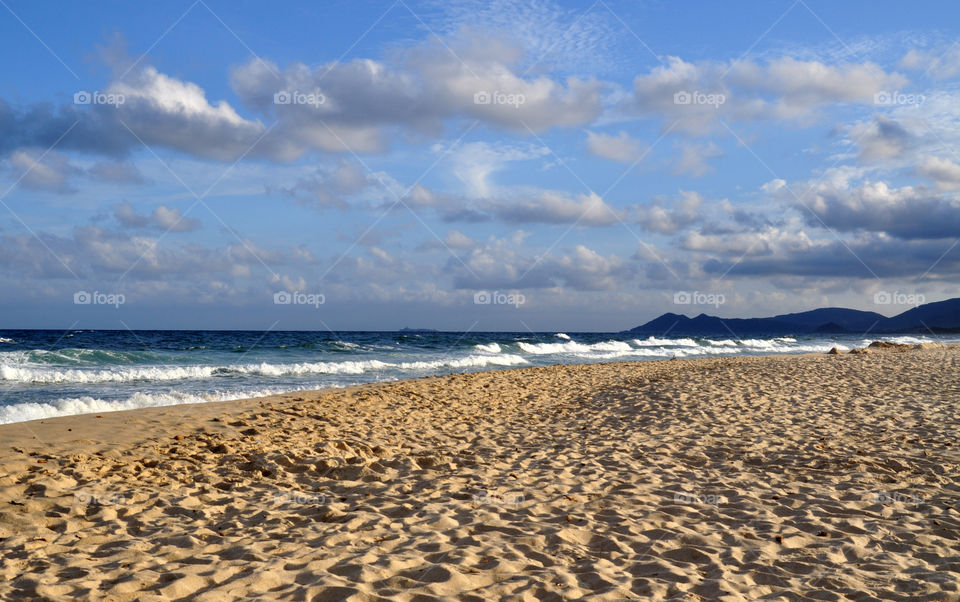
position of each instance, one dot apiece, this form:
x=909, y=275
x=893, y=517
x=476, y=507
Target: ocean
x=46, y=373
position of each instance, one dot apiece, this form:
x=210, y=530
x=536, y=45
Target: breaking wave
x=34, y=374
x=70, y=406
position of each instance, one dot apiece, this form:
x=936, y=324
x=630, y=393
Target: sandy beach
x=823, y=477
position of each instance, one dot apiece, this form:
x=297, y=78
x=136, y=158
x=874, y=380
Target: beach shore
x=801, y=477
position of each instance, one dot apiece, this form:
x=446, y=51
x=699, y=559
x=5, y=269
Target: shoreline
x=4, y=434
x=37, y=421
x=735, y=477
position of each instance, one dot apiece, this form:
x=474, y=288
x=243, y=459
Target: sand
x=808, y=477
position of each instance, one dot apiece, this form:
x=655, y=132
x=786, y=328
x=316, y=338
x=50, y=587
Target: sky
x=473, y=166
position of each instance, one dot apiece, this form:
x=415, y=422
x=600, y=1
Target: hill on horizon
x=937, y=317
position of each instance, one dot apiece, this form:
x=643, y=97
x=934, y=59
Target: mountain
x=942, y=316
x=846, y=319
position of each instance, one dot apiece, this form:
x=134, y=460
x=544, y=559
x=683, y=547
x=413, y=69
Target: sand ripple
x=813, y=477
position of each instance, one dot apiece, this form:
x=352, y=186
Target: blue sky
x=402, y=162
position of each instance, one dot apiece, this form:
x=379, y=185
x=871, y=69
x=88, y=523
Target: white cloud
x=773, y=186
x=881, y=139
x=474, y=163
x=551, y=37
x=117, y=172
x=769, y=241
x=458, y=240
x=163, y=218
x=332, y=185
x=362, y=99
x=694, y=159
x=944, y=172
x=164, y=111
x=549, y=207
x=170, y=219
x=621, y=147
x=502, y=265
x=906, y=212
x=694, y=96
x=939, y=65
x=48, y=172
x=667, y=216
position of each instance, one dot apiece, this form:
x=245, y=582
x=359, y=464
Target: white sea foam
x=36, y=374
x=347, y=344
x=655, y=342
x=71, y=406
x=562, y=335
x=572, y=347
x=471, y=361
x=6, y=340
x=33, y=374
x=489, y=348
x=903, y=340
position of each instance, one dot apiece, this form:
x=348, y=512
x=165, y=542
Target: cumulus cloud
x=801, y=86
x=458, y=240
x=337, y=107
x=330, y=186
x=454, y=240
x=117, y=172
x=474, y=163
x=158, y=111
x=357, y=102
x=694, y=159
x=769, y=241
x=528, y=205
x=907, y=212
x=667, y=216
x=549, y=207
x=867, y=256
x=94, y=252
x=49, y=172
x=881, y=138
x=620, y=148
x=940, y=65
x=502, y=265
x=944, y=172
x=163, y=218
x=164, y=111
x=54, y=172
x=694, y=95
x=170, y=219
